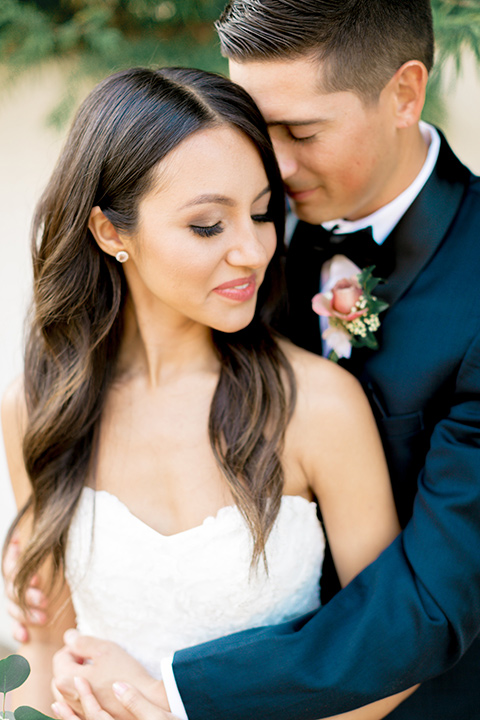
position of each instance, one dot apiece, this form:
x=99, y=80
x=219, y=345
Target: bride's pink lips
x=240, y=289
x=299, y=195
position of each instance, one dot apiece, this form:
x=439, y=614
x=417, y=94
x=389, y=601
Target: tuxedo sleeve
x=407, y=617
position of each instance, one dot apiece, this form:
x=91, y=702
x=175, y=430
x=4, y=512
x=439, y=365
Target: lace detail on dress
x=154, y=594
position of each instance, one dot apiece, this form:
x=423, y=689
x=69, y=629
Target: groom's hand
x=101, y=663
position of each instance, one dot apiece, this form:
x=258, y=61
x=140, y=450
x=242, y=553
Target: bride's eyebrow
x=218, y=199
x=208, y=198
x=262, y=193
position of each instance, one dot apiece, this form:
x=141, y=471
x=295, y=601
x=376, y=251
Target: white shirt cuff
x=174, y=700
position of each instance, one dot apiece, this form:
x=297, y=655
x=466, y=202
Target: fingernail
x=56, y=709
x=37, y=598
x=21, y=635
x=79, y=683
x=70, y=635
x=119, y=688
x=37, y=617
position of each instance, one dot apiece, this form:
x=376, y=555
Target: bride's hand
x=36, y=600
x=133, y=701
x=101, y=663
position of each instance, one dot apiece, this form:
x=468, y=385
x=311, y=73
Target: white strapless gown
x=154, y=594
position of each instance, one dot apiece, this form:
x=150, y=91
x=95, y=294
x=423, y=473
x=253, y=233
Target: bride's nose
x=249, y=249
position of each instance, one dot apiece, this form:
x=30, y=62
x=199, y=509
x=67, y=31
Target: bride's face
x=204, y=237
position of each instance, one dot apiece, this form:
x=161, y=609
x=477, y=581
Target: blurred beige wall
x=28, y=150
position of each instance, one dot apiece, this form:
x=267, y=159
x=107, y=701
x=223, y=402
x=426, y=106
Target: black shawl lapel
x=425, y=224
x=417, y=236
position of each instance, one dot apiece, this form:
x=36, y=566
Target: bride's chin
x=229, y=326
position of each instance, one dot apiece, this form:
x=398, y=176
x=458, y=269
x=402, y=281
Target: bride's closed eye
x=216, y=229
x=207, y=230
x=262, y=218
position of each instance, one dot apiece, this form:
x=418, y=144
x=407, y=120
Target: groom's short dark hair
x=361, y=43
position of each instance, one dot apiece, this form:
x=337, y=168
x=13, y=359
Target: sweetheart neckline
x=210, y=519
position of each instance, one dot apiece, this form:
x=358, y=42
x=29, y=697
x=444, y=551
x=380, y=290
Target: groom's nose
x=286, y=158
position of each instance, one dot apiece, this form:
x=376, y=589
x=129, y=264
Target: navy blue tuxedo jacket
x=414, y=614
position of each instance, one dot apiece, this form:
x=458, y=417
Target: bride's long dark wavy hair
x=127, y=125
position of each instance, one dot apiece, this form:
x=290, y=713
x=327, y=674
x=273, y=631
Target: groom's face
x=337, y=154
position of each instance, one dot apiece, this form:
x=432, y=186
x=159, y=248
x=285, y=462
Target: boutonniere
x=351, y=308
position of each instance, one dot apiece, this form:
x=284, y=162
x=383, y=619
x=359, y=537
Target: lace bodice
x=154, y=594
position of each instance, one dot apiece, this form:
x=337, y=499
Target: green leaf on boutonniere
x=367, y=279
x=378, y=306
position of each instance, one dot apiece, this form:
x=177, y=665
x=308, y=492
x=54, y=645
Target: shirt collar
x=383, y=221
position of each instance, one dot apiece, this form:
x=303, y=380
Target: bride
x=165, y=446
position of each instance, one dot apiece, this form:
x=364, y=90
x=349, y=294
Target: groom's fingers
x=138, y=705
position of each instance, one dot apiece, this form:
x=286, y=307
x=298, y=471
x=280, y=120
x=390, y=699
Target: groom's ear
x=408, y=86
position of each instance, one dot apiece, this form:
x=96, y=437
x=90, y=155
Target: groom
x=341, y=85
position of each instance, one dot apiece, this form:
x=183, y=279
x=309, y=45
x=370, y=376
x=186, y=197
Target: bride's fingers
x=32, y=616
x=11, y=557
x=138, y=705
x=90, y=706
x=131, y=699
x=83, y=646
x=65, y=667
x=63, y=711
x=19, y=632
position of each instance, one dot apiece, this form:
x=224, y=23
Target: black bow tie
x=359, y=247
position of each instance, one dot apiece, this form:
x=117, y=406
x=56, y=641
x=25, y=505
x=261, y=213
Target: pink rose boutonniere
x=350, y=307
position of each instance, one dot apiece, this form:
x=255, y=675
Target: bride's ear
x=106, y=236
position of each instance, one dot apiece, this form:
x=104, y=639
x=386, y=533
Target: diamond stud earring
x=121, y=256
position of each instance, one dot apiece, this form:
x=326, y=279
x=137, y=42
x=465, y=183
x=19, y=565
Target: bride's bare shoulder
x=332, y=428
x=13, y=404
x=315, y=374
x=14, y=416
x=14, y=422
x=324, y=389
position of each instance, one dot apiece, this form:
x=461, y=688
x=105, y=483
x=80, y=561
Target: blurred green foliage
x=101, y=36
x=457, y=28
x=109, y=34
x=94, y=38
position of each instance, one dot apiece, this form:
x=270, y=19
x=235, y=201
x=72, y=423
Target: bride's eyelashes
x=216, y=229
x=265, y=218
x=206, y=230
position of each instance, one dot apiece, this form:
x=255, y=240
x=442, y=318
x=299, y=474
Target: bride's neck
x=159, y=348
